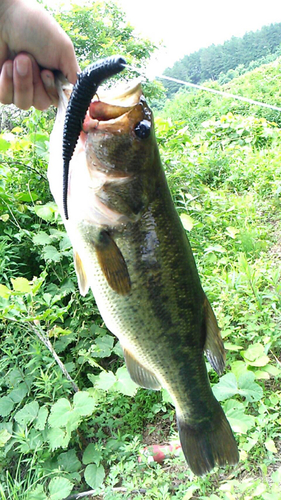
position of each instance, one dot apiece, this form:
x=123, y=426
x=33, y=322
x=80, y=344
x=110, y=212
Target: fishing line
x=207, y=89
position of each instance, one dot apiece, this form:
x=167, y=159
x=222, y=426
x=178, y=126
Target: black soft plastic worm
x=84, y=89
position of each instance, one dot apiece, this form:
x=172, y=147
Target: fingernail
x=22, y=66
x=48, y=80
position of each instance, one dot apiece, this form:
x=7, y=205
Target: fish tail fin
x=207, y=445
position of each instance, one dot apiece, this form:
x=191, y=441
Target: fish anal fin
x=81, y=274
x=213, y=347
x=112, y=264
x=139, y=374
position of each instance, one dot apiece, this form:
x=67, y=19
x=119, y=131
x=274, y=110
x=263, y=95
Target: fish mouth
x=115, y=111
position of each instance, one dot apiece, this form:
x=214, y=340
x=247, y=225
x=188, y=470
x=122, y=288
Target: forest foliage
x=222, y=159
x=228, y=60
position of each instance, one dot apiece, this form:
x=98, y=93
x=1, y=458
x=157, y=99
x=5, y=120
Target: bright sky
x=187, y=25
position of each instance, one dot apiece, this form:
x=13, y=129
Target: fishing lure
x=84, y=89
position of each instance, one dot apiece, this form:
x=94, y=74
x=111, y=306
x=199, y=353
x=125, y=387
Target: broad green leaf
x=4, y=145
x=21, y=285
x=33, y=441
x=166, y=397
x=41, y=418
x=72, y=421
x=41, y=238
x=238, y=368
x=271, y=496
x=215, y=248
x=187, y=222
x=6, y=406
x=69, y=461
x=232, y=347
x=189, y=495
x=51, y=254
x=262, y=375
x=59, y=488
x=19, y=392
x=65, y=243
x=94, y=475
x=259, y=490
x=248, y=388
x=58, y=438
x=27, y=196
x=4, y=437
x=15, y=377
x=276, y=476
x=232, y=231
x=270, y=446
x=37, y=494
x=46, y=212
x=124, y=383
x=28, y=413
x=103, y=346
x=83, y=403
x=226, y=387
x=239, y=421
x=59, y=413
x=255, y=355
x=105, y=381
x=118, y=350
x=4, y=292
x=273, y=370
x=92, y=455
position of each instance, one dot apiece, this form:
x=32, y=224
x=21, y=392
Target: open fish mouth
x=115, y=110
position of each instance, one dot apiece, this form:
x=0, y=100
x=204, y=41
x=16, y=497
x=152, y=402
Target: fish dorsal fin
x=81, y=274
x=112, y=264
x=213, y=344
x=139, y=374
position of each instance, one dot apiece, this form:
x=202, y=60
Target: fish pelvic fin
x=213, y=347
x=81, y=274
x=112, y=264
x=139, y=374
x=208, y=445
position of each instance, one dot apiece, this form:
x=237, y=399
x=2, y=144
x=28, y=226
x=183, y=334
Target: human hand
x=30, y=37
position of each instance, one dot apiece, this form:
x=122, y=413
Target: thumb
x=68, y=63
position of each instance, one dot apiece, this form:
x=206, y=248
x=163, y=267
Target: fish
x=131, y=249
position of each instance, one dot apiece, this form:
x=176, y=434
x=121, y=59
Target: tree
x=100, y=29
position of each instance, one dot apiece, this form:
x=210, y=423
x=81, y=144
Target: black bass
x=131, y=249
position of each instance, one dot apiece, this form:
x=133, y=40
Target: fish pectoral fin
x=81, y=274
x=213, y=347
x=139, y=374
x=113, y=264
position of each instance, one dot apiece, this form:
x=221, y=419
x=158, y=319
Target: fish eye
x=142, y=129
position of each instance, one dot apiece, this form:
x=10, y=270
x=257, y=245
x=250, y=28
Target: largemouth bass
x=130, y=248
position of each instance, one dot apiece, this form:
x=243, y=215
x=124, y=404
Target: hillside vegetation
x=262, y=84
x=223, y=163
x=225, y=61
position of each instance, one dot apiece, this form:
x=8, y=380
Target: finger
x=50, y=86
x=41, y=99
x=23, y=81
x=68, y=62
x=6, y=83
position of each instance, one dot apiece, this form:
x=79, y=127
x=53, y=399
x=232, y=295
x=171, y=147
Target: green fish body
x=131, y=249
